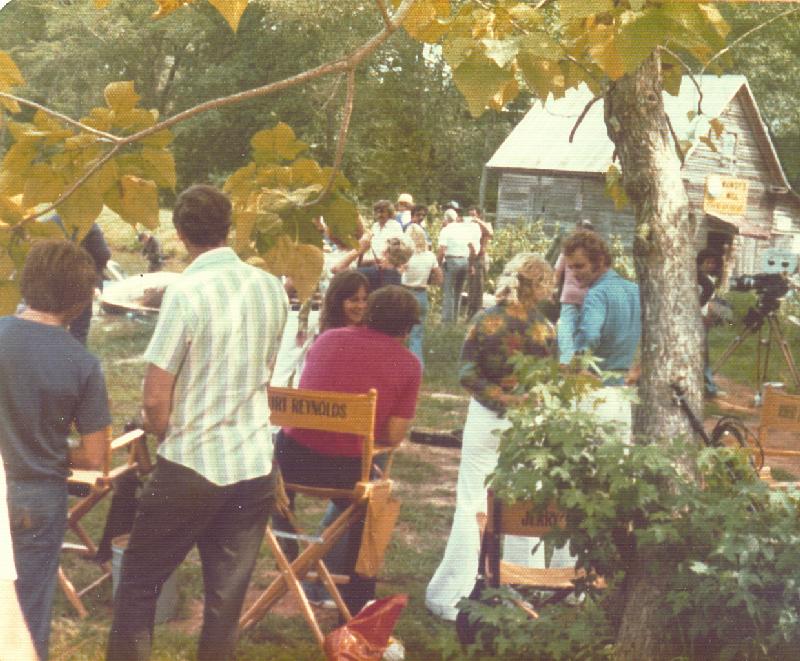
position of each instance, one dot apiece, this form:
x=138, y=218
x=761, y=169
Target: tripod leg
x=735, y=343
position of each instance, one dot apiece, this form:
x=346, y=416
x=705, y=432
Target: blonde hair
x=524, y=271
x=398, y=252
x=417, y=237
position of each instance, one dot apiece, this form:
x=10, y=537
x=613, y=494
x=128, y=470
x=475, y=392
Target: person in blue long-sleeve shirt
x=609, y=325
x=610, y=322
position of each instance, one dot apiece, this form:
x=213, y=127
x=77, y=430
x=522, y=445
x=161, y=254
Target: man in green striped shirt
x=209, y=362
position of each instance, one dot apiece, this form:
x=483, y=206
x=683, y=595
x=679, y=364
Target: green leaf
x=341, y=217
x=479, y=79
x=121, y=96
x=640, y=35
x=41, y=185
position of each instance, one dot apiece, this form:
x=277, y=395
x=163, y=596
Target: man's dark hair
x=392, y=310
x=203, y=215
x=707, y=253
x=591, y=243
x=58, y=277
x=419, y=208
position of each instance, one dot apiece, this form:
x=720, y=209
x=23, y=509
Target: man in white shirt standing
x=384, y=228
x=457, y=242
x=210, y=359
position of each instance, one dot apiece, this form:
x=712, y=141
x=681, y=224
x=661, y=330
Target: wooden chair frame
x=324, y=411
x=526, y=520
x=94, y=485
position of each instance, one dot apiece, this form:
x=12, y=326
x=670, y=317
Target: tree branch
x=347, y=113
x=746, y=34
x=691, y=75
x=387, y=20
x=675, y=139
x=582, y=116
x=107, y=137
x=338, y=66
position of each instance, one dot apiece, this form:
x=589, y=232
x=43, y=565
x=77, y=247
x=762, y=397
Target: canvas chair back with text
x=371, y=498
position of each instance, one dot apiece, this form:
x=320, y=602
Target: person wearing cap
x=571, y=299
x=457, y=242
x=404, y=206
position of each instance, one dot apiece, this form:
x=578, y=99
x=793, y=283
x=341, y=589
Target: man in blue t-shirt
x=48, y=381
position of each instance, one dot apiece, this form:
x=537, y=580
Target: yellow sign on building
x=725, y=196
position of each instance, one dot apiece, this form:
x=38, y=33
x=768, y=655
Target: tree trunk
x=664, y=254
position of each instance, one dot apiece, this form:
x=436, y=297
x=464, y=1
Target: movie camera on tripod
x=770, y=286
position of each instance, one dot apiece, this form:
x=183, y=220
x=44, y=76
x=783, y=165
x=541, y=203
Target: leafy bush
x=726, y=546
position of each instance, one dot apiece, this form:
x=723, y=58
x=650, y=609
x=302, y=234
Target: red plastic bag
x=366, y=636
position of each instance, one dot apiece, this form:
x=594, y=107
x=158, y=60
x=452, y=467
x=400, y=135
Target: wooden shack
x=734, y=180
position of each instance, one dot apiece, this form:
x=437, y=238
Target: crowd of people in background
x=221, y=330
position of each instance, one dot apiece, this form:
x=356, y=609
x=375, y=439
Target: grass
x=425, y=480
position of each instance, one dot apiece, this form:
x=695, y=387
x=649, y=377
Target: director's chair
x=780, y=412
x=90, y=487
x=524, y=519
x=324, y=411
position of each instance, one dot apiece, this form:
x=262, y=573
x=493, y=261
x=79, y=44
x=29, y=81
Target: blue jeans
x=418, y=330
x=455, y=274
x=38, y=514
x=178, y=510
x=567, y=325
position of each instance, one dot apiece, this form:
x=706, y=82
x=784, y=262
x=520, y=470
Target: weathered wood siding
x=561, y=201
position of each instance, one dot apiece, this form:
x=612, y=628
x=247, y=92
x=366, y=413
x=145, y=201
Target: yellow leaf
x=299, y=261
x=159, y=139
x=274, y=145
x=572, y=10
x=45, y=229
x=9, y=77
x=133, y=119
x=162, y=166
x=541, y=76
x=139, y=202
x=101, y=4
x=121, y=96
x=9, y=297
x=10, y=210
x=41, y=185
x=79, y=211
x=604, y=52
x=166, y=7
x=7, y=266
x=505, y=95
x=231, y=10
x=479, y=79
x=243, y=221
x=423, y=21
x=307, y=171
x=241, y=183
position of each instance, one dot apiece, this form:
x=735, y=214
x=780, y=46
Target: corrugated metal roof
x=541, y=140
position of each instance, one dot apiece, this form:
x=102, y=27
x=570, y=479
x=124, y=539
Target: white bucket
x=167, y=602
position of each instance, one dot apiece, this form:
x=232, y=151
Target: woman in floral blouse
x=512, y=326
